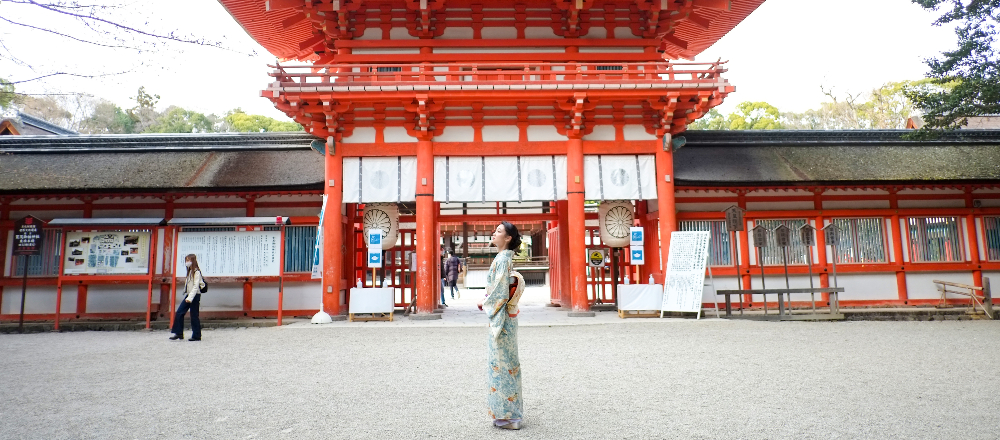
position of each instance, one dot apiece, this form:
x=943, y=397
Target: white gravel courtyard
x=670, y=378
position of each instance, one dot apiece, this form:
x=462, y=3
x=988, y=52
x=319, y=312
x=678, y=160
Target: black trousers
x=178, y=328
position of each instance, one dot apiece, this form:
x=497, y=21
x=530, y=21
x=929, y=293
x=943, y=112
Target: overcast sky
x=781, y=54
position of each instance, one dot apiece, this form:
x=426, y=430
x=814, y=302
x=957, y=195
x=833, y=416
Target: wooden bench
x=833, y=291
x=983, y=298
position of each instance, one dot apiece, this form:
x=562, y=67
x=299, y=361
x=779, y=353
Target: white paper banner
x=380, y=179
x=109, y=252
x=231, y=253
x=685, y=278
x=458, y=179
x=619, y=177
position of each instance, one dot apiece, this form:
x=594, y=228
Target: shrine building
x=433, y=120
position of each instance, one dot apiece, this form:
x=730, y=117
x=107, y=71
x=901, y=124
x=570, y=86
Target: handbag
x=203, y=289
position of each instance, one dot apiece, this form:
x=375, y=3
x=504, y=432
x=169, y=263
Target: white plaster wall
x=459, y=33
x=372, y=33
x=38, y=299
x=890, y=243
x=989, y=203
x=498, y=33
x=456, y=134
x=994, y=283
x=7, y=253
x=778, y=206
x=118, y=298
x=127, y=213
x=396, y=33
x=287, y=212
x=624, y=33
x=635, y=132
x=544, y=133
x=539, y=32
x=865, y=286
x=361, y=135
x=601, y=133
x=297, y=296
x=595, y=33
x=687, y=193
x=957, y=202
x=290, y=198
x=17, y=214
x=920, y=285
x=396, y=134
x=210, y=212
x=721, y=283
x=501, y=133
x=856, y=204
x=709, y=207
x=219, y=298
x=158, y=266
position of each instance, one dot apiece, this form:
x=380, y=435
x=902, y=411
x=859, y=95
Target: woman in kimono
x=504, y=373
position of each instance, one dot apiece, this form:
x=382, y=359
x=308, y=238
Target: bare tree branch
x=67, y=74
x=67, y=36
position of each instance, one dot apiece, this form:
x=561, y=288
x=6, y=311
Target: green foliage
x=239, y=121
x=6, y=93
x=885, y=107
x=179, y=120
x=754, y=116
x=967, y=78
x=107, y=118
x=144, y=112
x=713, y=120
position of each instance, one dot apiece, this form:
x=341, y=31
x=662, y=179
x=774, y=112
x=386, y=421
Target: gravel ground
x=680, y=379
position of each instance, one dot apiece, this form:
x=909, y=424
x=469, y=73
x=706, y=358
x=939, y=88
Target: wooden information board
x=231, y=253
x=685, y=278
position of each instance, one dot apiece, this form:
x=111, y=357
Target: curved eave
x=698, y=39
x=267, y=28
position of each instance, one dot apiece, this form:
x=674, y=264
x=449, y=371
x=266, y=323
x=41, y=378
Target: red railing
x=492, y=73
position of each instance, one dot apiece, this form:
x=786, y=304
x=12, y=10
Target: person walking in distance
x=504, y=366
x=452, y=267
x=194, y=285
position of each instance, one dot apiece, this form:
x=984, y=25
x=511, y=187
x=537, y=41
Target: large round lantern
x=384, y=216
x=616, y=220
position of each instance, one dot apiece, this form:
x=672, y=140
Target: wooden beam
x=312, y=41
x=293, y=20
x=723, y=5
x=670, y=38
x=274, y=5
x=699, y=20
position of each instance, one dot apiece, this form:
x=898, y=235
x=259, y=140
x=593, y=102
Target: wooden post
x=665, y=196
x=427, y=247
x=988, y=298
x=565, y=297
x=576, y=225
x=333, y=255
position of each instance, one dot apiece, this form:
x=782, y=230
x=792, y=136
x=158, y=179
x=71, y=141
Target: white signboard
x=374, y=258
x=107, y=252
x=636, y=236
x=685, y=278
x=637, y=256
x=231, y=253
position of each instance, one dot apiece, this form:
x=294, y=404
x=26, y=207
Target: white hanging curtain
x=499, y=179
x=380, y=179
x=619, y=177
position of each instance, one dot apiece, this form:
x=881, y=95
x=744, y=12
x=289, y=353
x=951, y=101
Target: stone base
x=425, y=316
x=552, y=305
x=581, y=314
x=339, y=318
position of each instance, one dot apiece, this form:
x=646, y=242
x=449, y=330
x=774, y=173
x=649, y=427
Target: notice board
x=685, y=278
x=106, y=252
x=231, y=253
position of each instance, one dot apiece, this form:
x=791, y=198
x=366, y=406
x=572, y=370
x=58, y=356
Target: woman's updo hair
x=515, y=237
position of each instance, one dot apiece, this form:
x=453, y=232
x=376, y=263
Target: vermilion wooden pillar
x=426, y=245
x=565, y=298
x=576, y=225
x=665, y=195
x=977, y=273
x=333, y=255
x=897, y=252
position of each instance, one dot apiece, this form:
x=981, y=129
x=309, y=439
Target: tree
x=754, y=116
x=107, y=118
x=239, y=121
x=179, y=120
x=48, y=108
x=967, y=78
x=7, y=94
x=713, y=120
x=144, y=113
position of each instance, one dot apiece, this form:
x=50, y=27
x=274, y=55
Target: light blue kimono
x=504, y=375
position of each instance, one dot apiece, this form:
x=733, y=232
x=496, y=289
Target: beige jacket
x=192, y=289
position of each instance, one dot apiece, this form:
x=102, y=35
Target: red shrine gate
x=426, y=80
